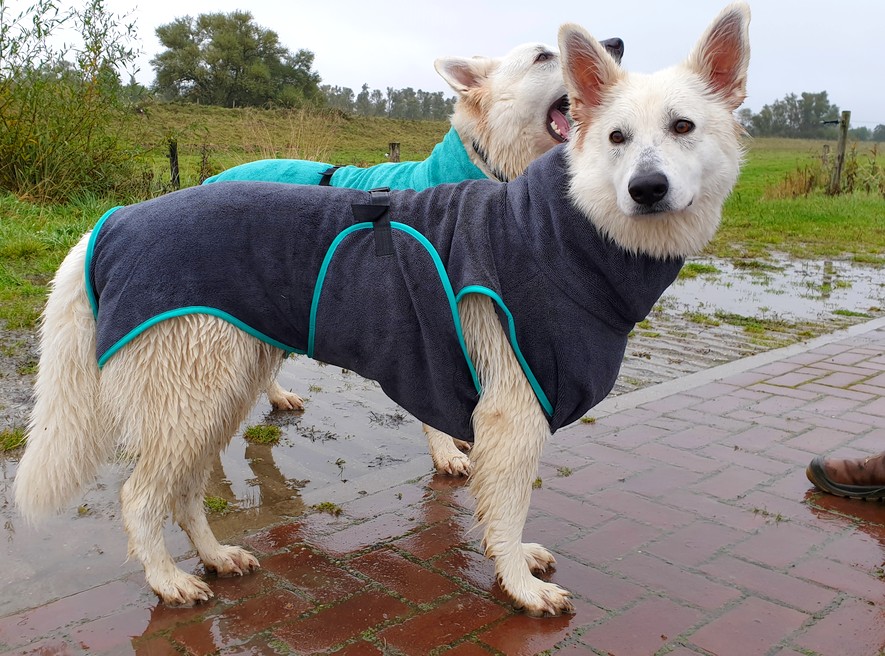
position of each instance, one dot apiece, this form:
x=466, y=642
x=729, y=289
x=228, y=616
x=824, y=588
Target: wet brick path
x=681, y=520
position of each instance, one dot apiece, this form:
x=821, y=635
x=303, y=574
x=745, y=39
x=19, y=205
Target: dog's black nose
x=615, y=47
x=648, y=188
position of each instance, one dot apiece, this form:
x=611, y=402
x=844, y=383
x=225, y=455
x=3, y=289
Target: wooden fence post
x=836, y=180
x=173, y=164
x=394, y=152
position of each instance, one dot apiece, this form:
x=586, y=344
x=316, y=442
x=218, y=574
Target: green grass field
x=756, y=221
x=34, y=238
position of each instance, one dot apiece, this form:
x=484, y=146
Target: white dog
x=533, y=308
x=509, y=111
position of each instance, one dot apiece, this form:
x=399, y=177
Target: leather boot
x=857, y=478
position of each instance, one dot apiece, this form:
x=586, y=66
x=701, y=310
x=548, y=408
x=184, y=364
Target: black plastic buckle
x=378, y=213
x=326, y=178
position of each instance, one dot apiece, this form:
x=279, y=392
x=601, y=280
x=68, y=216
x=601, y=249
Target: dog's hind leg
x=189, y=513
x=179, y=392
x=447, y=457
x=510, y=431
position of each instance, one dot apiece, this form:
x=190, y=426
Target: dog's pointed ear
x=587, y=68
x=722, y=55
x=464, y=73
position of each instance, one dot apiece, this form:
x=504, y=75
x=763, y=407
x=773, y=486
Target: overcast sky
x=836, y=46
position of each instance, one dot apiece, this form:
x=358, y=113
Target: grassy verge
x=234, y=136
x=755, y=223
x=33, y=241
x=34, y=238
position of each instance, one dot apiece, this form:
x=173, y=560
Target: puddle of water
x=782, y=288
x=351, y=440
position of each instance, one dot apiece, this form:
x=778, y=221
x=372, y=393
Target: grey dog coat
x=291, y=265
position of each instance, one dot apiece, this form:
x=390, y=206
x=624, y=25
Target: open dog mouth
x=557, y=120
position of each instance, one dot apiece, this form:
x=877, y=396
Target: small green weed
x=588, y=420
x=852, y=313
x=27, y=368
x=537, y=483
x=753, y=324
x=701, y=318
x=755, y=265
x=263, y=434
x=329, y=508
x=764, y=512
x=12, y=438
x=216, y=504
x=695, y=269
x=564, y=472
x=867, y=258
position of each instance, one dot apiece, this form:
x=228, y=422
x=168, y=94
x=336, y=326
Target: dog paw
x=462, y=445
x=537, y=557
x=231, y=561
x=181, y=590
x=280, y=399
x=545, y=600
x=453, y=464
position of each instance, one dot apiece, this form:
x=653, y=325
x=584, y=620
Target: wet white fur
x=502, y=105
x=702, y=167
x=175, y=395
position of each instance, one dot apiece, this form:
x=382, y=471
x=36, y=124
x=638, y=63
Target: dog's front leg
x=447, y=457
x=280, y=399
x=510, y=431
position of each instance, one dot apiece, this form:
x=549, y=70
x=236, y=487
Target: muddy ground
x=351, y=440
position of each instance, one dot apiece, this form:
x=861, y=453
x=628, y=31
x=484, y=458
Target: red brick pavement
x=683, y=525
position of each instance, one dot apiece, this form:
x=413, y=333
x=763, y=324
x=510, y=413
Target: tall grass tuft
x=306, y=134
x=863, y=173
x=62, y=108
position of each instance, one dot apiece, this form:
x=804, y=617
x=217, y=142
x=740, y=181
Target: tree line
x=229, y=60
x=806, y=116
x=394, y=103
x=62, y=107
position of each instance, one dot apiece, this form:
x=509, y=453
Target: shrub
x=864, y=174
x=61, y=109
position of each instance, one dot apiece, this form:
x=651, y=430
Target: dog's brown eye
x=617, y=137
x=543, y=56
x=682, y=126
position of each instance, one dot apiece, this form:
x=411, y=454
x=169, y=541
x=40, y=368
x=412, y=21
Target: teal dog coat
x=370, y=281
x=448, y=163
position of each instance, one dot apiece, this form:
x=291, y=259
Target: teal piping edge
x=90, y=248
x=434, y=255
x=194, y=309
x=440, y=269
x=514, y=344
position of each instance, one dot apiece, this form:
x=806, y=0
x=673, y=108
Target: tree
x=863, y=133
x=228, y=60
x=796, y=116
x=398, y=103
x=745, y=118
x=364, y=102
x=62, y=106
x=341, y=98
x=879, y=132
x=379, y=103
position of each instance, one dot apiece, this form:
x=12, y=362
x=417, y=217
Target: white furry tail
x=66, y=440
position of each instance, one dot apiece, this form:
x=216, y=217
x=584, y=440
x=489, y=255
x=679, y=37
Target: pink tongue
x=561, y=122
